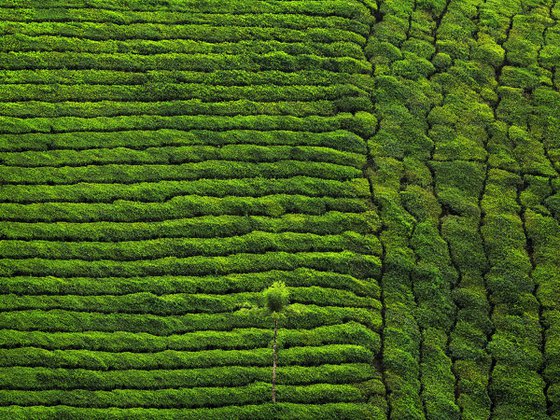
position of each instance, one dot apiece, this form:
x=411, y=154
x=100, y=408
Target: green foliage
x=277, y=297
x=381, y=175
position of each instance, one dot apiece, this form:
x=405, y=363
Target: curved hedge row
x=161, y=285
x=257, y=412
x=235, y=339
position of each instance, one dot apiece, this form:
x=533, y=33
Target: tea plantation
x=394, y=163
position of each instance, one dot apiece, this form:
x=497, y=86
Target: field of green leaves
x=395, y=163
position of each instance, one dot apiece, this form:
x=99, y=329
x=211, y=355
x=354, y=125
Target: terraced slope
x=395, y=163
x=161, y=166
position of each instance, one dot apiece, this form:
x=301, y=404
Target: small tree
x=277, y=297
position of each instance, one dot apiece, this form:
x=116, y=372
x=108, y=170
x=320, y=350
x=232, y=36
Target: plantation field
x=394, y=162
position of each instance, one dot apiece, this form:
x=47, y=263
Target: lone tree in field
x=277, y=298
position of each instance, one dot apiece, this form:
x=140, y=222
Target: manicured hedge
x=394, y=163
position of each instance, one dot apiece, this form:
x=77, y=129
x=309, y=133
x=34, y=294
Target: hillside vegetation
x=394, y=163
